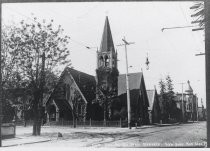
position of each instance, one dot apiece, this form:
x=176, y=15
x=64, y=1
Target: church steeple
x=107, y=57
x=106, y=72
x=107, y=41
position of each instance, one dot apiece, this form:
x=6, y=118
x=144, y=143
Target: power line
x=161, y=21
x=183, y=12
x=75, y=41
x=22, y=14
x=187, y=21
x=96, y=5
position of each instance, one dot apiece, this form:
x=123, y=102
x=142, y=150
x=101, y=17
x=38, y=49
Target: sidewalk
x=24, y=136
x=23, y=140
x=167, y=124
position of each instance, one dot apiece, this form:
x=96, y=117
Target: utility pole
x=207, y=61
x=0, y=83
x=182, y=102
x=193, y=108
x=196, y=108
x=127, y=82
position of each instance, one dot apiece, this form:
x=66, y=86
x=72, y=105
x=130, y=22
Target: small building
x=154, y=106
x=138, y=97
x=71, y=97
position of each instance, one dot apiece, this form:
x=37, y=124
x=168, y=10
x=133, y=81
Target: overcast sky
x=170, y=52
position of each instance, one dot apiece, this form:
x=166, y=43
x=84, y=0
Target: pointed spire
x=189, y=90
x=107, y=41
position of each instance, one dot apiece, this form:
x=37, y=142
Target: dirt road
x=182, y=135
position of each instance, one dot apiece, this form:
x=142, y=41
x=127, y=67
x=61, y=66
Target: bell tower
x=106, y=56
x=106, y=72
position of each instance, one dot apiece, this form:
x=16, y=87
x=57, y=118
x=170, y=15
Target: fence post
x=90, y=122
x=120, y=122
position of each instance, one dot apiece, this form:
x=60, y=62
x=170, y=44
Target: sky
x=171, y=52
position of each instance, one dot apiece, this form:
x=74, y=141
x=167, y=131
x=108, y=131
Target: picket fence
x=87, y=123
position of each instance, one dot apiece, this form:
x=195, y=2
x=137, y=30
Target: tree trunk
x=38, y=95
x=105, y=113
x=74, y=119
x=37, y=114
x=37, y=123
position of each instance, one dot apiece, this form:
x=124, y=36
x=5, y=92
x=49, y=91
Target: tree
x=170, y=97
x=10, y=77
x=198, y=8
x=7, y=58
x=106, y=92
x=163, y=101
x=167, y=99
x=38, y=47
x=162, y=86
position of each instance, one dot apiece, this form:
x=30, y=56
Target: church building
x=101, y=97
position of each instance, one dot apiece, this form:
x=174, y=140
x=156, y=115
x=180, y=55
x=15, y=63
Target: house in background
x=154, y=106
x=188, y=106
x=192, y=104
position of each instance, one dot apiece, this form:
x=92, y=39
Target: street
x=181, y=135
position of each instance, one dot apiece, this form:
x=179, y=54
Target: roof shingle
x=134, y=82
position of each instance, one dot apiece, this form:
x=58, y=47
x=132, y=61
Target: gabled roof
x=85, y=82
x=107, y=41
x=151, y=98
x=136, y=85
x=134, y=82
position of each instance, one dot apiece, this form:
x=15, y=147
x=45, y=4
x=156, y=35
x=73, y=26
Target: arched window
x=106, y=60
x=68, y=92
x=101, y=60
x=52, y=112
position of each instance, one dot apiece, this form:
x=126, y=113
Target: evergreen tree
x=163, y=101
x=171, y=104
x=162, y=87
